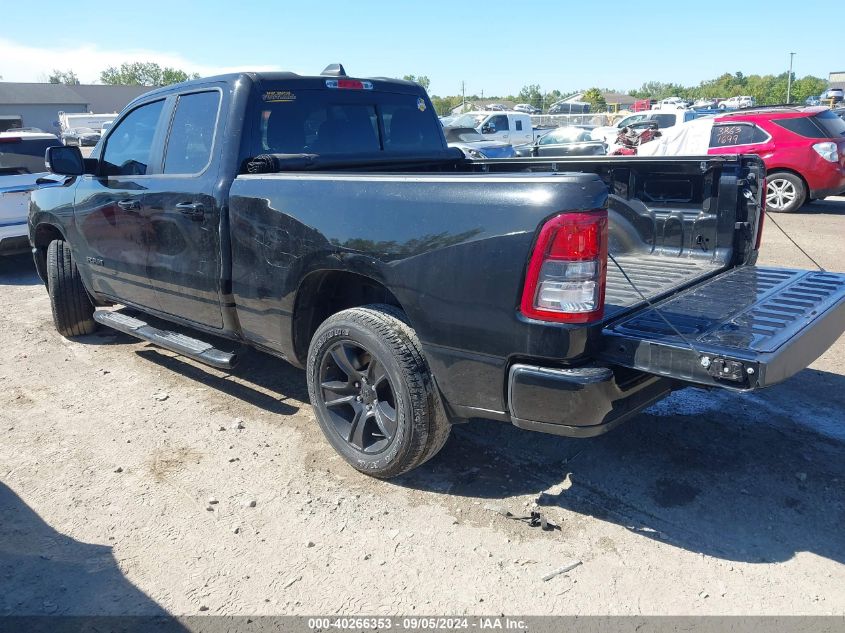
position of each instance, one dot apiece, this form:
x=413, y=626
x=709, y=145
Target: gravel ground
x=126, y=486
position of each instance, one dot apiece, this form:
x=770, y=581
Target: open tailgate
x=750, y=328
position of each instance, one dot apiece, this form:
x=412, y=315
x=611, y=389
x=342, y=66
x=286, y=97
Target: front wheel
x=785, y=192
x=72, y=307
x=373, y=393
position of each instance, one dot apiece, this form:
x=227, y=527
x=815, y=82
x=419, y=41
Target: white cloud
x=19, y=62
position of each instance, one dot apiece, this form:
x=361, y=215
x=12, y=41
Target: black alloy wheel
x=359, y=397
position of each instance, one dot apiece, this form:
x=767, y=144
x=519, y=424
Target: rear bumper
x=828, y=179
x=578, y=402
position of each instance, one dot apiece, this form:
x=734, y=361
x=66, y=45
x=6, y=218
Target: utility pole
x=789, y=79
x=463, y=95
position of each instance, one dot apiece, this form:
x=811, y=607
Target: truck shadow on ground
x=258, y=379
x=745, y=478
x=18, y=270
x=45, y=573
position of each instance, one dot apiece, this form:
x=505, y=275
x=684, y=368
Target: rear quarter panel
x=451, y=248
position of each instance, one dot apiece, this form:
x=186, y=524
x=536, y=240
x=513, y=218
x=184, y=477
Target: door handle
x=129, y=205
x=194, y=210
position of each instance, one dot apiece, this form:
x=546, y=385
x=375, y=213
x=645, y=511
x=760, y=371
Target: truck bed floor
x=653, y=275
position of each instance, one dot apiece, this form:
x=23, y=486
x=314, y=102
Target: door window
x=736, y=134
x=192, y=133
x=129, y=145
x=664, y=120
x=499, y=123
x=518, y=125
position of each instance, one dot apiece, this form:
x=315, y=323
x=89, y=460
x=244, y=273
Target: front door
x=184, y=253
x=113, y=228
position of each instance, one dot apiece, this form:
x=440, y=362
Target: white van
x=507, y=127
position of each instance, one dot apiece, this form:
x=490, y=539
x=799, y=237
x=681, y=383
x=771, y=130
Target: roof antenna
x=334, y=70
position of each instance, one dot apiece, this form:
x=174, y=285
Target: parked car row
x=803, y=149
x=80, y=136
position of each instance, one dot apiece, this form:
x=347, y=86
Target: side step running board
x=192, y=348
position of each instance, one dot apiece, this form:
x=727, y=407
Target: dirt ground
x=112, y=454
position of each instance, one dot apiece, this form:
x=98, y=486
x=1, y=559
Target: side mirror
x=487, y=129
x=64, y=160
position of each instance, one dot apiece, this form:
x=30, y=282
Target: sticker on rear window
x=278, y=96
x=420, y=104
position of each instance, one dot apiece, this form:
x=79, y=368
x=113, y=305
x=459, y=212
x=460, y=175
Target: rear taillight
x=762, y=219
x=566, y=275
x=828, y=151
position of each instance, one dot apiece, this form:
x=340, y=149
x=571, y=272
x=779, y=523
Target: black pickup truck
x=324, y=220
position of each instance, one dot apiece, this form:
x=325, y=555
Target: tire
x=785, y=192
x=71, y=305
x=373, y=393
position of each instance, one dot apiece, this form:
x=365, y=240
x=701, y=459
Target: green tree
x=595, y=98
x=808, y=86
x=657, y=90
x=531, y=94
x=63, y=77
x=144, y=74
x=422, y=80
x=444, y=105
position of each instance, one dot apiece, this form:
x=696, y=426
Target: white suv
x=735, y=103
x=21, y=164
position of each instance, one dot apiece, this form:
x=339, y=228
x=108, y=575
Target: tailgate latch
x=725, y=369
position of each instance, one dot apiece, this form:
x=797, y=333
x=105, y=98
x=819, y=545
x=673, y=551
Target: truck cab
x=508, y=127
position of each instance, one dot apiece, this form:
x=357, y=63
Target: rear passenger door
x=184, y=204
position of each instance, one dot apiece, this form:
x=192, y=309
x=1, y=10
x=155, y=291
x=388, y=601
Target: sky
x=495, y=47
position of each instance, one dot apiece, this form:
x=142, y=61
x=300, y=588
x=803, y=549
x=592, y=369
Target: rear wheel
x=373, y=393
x=71, y=305
x=785, y=192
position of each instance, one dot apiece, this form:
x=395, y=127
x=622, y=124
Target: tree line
x=766, y=89
x=128, y=74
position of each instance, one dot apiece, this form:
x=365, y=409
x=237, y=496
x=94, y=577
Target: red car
x=803, y=149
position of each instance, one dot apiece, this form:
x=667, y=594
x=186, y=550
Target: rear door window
x=729, y=135
x=129, y=146
x=192, y=133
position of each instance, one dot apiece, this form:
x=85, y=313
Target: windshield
x=628, y=120
x=24, y=156
x=468, y=120
x=327, y=122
